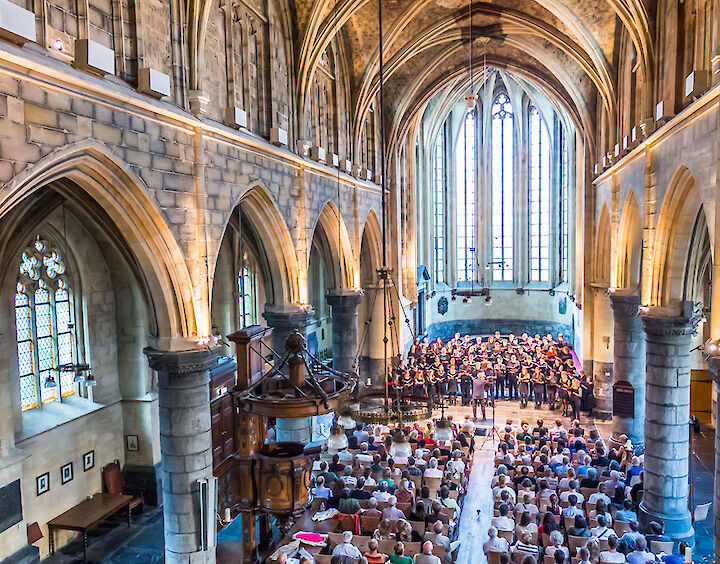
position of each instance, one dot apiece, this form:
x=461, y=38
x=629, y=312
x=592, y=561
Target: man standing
x=478, y=393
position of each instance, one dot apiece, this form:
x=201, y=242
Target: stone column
x=345, y=334
x=284, y=319
x=186, y=447
x=667, y=414
x=629, y=363
x=714, y=366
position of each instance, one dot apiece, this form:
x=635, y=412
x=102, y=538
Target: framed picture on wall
x=43, y=483
x=88, y=460
x=132, y=443
x=66, y=473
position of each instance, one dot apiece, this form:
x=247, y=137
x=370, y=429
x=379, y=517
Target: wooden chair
x=587, y=492
x=621, y=527
x=507, y=535
x=656, y=547
x=405, y=507
x=369, y=524
x=569, y=522
x=417, y=480
x=494, y=557
x=334, y=539
x=577, y=542
x=603, y=544
x=318, y=501
x=347, y=523
x=323, y=558
x=546, y=540
x=433, y=484
x=548, y=560
x=520, y=556
x=113, y=484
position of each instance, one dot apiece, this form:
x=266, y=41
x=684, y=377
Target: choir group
x=541, y=369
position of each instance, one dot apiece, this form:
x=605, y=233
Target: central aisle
x=473, y=526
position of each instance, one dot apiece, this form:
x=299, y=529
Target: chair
x=548, y=560
x=433, y=484
x=113, y=484
x=577, y=542
x=701, y=512
x=369, y=524
x=318, y=501
x=603, y=544
x=621, y=527
x=546, y=540
x=569, y=522
x=334, y=539
x=347, y=523
x=520, y=556
x=322, y=558
x=417, y=480
x=507, y=535
x=656, y=547
x=493, y=557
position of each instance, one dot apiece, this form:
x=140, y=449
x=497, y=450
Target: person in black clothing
x=591, y=481
x=600, y=460
x=359, y=492
x=636, y=492
x=524, y=475
x=336, y=466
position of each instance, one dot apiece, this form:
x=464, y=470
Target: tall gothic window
x=43, y=325
x=539, y=239
x=564, y=207
x=465, y=201
x=502, y=188
x=247, y=286
x=439, y=203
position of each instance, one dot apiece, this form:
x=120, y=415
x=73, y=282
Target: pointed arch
x=372, y=235
x=272, y=232
x=674, y=239
x=629, y=254
x=342, y=258
x=602, y=249
x=93, y=177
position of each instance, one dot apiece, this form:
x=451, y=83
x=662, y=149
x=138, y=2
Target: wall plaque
x=623, y=399
x=11, y=505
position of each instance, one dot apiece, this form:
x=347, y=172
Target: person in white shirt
x=612, y=556
x=347, y=549
x=435, y=535
x=601, y=531
x=364, y=455
x=381, y=494
x=391, y=512
x=456, y=465
x=495, y=543
x=502, y=522
x=572, y=510
x=426, y=556
x=572, y=491
x=468, y=426
x=433, y=471
x=345, y=455
x=596, y=496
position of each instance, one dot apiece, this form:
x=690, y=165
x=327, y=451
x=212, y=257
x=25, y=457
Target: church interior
x=262, y=259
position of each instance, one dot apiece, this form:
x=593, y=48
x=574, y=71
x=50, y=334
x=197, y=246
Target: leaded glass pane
x=503, y=187
x=539, y=197
x=440, y=207
x=465, y=200
x=28, y=397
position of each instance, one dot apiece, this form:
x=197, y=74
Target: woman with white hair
x=433, y=471
x=556, y=543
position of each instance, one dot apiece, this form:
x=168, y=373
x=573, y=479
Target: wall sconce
x=606, y=340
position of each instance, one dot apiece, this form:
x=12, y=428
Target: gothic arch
x=372, y=235
x=272, y=233
x=674, y=239
x=342, y=258
x=629, y=245
x=602, y=249
x=89, y=174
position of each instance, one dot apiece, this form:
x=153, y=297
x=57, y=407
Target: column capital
x=623, y=303
x=182, y=362
x=676, y=320
x=344, y=298
x=291, y=316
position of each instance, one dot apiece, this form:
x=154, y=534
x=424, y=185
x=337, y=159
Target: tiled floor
x=143, y=543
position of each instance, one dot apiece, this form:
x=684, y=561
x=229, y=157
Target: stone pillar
x=186, y=447
x=345, y=334
x=714, y=366
x=284, y=319
x=667, y=415
x=629, y=363
x=373, y=333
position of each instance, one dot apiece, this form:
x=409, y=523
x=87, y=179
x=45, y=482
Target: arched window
x=43, y=326
x=465, y=200
x=564, y=207
x=439, y=204
x=539, y=197
x=502, y=188
x=247, y=286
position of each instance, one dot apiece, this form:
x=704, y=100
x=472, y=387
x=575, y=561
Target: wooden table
x=87, y=515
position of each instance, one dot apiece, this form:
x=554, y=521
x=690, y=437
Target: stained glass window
x=539, y=197
x=465, y=200
x=43, y=325
x=247, y=283
x=564, y=207
x=503, y=158
x=439, y=204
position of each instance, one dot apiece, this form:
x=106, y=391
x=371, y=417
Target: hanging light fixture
x=400, y=446
x=337, y=440
x=471, y=97
x=443, y=431
x=50, y=382
x=346, y=421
